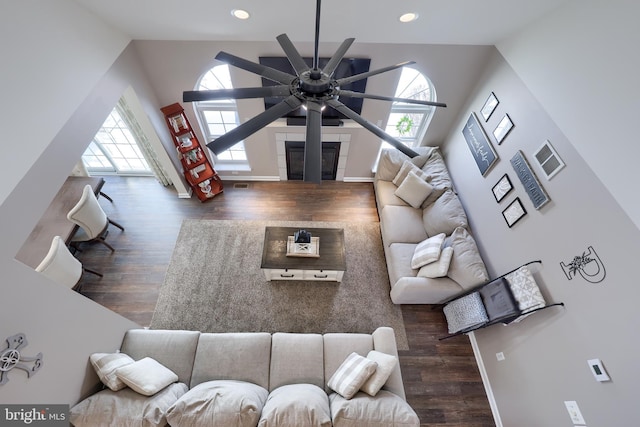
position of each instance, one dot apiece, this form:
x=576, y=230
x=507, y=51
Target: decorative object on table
x=529, y=180
x=514, y=212
x=302, y=236
x=502, y=188
x=12, y=358
x=588, y=265
x=481, y=149
x=549, y=161
x=489, y=106
x=311, y=249
x=502, y=130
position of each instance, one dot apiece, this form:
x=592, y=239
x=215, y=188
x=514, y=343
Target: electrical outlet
x=574, y=412
x=500, y=356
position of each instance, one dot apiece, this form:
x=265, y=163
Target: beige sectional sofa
x=249, y=379
x=416, y=201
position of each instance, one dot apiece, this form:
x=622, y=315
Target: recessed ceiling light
x=240, y=14
x=408, y=17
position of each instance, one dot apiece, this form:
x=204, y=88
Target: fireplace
x=294, y=151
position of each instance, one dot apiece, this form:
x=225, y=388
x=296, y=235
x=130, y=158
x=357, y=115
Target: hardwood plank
x=441, y=378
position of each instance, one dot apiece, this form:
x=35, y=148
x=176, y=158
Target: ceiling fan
x=312, y=87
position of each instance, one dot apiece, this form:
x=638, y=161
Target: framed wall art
x=514, y=212
x=502, y=130
x=502, y=188
x=529, y=180
x=489, y=106
x=479, y=145
x=548, y=159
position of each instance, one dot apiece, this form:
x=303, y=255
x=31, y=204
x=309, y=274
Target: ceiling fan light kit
x=312, y=87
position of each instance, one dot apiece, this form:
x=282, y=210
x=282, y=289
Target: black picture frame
x=514, y=212
x=489, y=106
x=502, y=188
x=479, y=144
x=503, y=129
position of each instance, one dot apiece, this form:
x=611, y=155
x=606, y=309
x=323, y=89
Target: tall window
x=220, y=116
x=409, y=122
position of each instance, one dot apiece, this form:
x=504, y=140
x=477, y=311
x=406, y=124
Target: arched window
x=220, y=116
x=409, y=122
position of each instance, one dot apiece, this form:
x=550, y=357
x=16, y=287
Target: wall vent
x=242, y=185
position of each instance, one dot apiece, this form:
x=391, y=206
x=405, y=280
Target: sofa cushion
x=467, y=267
x=399, y=257
x=300, y=405
x=386, y=364
x=337, y=346
x=402, y=224
x=440, y=268
x=224, y=403
x=386, y=194
x=146, y=376
x=427, y=251
x=296, y=359
x=444, y=214
x=243, y=356
x=126, y=408
x=414, y=190
x=408, y=166
x=105, y=365
x=174, y=349
x=438, y=176
x=351, y=375
x=391, y=161
x=384, y=410
x=465, y=313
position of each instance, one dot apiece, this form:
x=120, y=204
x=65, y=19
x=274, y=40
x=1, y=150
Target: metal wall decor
x=514, y=212
x=502, y=130
x=12, y=358
x=502, y=188
x=479, y=145
x=588, y=266
x=529, y=180
x=489, y=106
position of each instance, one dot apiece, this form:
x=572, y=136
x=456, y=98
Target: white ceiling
x=484, y=22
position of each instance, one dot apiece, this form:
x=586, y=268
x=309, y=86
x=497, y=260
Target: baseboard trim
x=357, y=179
x=249, y=178
x=485, y=379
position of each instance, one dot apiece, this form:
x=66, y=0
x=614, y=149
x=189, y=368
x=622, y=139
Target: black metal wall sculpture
x=588, y=265
x=11, y=358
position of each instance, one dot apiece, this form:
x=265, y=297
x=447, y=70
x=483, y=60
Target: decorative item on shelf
x=489, y=107
x=302, y=236
x=479, y=145
x=11, y=358
x=502, y=130
x=502, y=188
x=529, y=180
x=514, y=212
x=588, y=265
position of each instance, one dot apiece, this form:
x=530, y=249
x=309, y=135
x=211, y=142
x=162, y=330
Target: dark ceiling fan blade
x=337, y=57
x=239, y=93
x=313, y=144
x=253, y=125
x=292, y=53
x=339, y=106
x=253, y=67
x=361, y=76
x=352, y=94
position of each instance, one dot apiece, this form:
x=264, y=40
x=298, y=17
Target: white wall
x=547, y=353
x=581, y=63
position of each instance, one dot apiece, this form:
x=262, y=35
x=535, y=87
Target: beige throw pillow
x=351, y=375
x=413, y=190
x=439, y=268
x=146, y=376
x=105, y=365
x=427, y=251
x=386, y=364
x=407, y=167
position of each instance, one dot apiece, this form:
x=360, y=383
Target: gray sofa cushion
x=399, y=257
x=173, y=349
x=299, y=405
x=438, y=174
x=126, y=408
x=467, y=267
x=296, y=359
x=243, y=356
x=337, y=346
x=386, y=194
x=444, y=215
x=402, y=224
x=225, y=403
x=386, y=409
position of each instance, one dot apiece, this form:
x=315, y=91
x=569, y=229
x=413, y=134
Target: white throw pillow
x=146, y=376
x=105, y=365
x=386, y=364
x=351, y=375
x=413, y=190
x=440, y=268
x=428, y=251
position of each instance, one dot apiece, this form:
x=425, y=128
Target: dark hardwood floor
x=441, y=378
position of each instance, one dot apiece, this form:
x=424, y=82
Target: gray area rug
x=214, y=284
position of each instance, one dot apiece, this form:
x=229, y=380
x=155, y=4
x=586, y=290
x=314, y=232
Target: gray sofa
x=416, y=200
x=249, y=379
